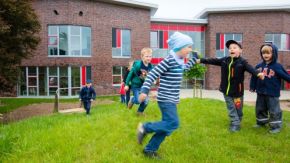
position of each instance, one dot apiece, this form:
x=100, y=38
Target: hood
x=274, y=52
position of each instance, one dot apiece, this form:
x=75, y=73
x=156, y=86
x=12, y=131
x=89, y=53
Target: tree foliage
x=197, y=71
x=19, y=27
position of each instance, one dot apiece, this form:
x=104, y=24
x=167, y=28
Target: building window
x=121, y=42
x=222, y=38
x=118, y=72
x=66, y=40
x=282, y=41
x=161, y=32
x=45, y=81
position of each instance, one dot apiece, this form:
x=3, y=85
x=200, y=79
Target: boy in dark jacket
x=233, y=68
x=137, y=76
x=268, y=90
x=124, y=81
x=87, y=95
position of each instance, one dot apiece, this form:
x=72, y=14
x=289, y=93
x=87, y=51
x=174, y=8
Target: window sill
x=68, y=56
x=120, y=57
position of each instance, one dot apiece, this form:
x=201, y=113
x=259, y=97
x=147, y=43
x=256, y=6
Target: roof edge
x=168, y=20
x=132, y=3
x=204, y=13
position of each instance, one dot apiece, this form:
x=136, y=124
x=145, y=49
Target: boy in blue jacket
x=268, y=90
x=87, y=95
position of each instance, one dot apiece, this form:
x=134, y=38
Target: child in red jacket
x=122, y=92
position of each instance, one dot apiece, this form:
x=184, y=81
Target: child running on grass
x=136, y=78
x=170, y=71
x=87, y=96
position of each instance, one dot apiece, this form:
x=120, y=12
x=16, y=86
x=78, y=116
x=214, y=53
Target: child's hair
x=146, y=51
x=267, y=49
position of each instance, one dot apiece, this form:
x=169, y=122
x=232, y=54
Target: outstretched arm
x=189, y=64
x=156, y=72
x=282, y=73
x=211, y=61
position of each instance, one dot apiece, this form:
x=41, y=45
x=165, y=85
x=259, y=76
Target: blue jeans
x=235, y=114
x=143, y=105
x=267, y=106
x=163, y=128
x=87, y=106
x=123, y=99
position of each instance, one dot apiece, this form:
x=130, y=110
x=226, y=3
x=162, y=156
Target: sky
x=188, y=9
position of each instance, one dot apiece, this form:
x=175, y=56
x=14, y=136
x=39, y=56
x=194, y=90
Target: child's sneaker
x=152, y=154
x=130, y=103
x=140, y=133
x=274, y=130
x=140, y=114
x=234, y=128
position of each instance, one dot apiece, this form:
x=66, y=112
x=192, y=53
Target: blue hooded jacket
x=273, y=72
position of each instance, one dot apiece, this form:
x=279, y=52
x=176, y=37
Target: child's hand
x=126, y=88
x=142, y=97
x=197, y=60
x=261, y=76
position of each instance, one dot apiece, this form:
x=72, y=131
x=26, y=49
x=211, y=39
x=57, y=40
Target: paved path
x=215, y=94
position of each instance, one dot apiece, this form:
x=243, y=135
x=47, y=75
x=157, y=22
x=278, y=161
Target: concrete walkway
x=215, y=94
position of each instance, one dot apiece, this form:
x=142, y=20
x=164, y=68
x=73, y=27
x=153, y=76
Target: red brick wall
x=253, y=26
x=101, y=17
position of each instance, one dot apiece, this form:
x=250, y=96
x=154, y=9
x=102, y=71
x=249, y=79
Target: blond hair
x=267, y=49
x=146, y=51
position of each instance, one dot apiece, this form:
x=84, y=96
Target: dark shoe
x=130, y=104
x=234, y=128
x=274, y=130
x=140, y=133
x=152, y=154
x=140, y=114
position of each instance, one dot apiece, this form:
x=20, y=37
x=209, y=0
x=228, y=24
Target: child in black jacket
x=268, y=90
x=232, y=81
x=87, y=95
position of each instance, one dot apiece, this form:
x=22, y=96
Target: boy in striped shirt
x=170, y=71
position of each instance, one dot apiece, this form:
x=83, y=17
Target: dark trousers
x=87, y=106
x=128, y=96
x=268, y=111
x=235, y=114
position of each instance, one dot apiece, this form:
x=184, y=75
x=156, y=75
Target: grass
x=10, y=104
x=109, y=135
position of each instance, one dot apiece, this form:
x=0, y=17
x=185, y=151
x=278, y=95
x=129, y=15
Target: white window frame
x=69, y=41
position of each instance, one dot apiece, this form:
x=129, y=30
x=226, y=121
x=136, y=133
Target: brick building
x=96, y=39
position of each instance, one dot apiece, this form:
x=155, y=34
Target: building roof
x=132, y=3
x=204, y=13
x=191, y=21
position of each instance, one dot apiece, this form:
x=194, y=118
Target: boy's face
x=184, y=51
x=267, y=57
x=88, y=84
x=235, y=50
x=147, y=57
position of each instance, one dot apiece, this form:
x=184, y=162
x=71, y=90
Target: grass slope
x=109, y=135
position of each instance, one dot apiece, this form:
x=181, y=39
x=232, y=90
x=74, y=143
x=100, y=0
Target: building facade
x=95, y=40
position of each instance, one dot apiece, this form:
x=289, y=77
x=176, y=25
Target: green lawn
x=9, y=104
x=109, y=135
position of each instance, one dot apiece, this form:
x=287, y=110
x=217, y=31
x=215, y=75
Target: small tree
x=19, y=27
x=197, y=71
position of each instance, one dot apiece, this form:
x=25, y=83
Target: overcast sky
x=188, y=9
